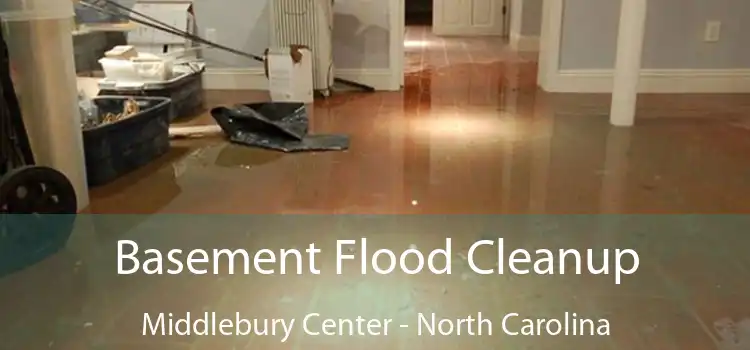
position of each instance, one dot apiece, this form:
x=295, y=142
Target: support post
x=515, y=19
x=40, y=45
x=628, y=62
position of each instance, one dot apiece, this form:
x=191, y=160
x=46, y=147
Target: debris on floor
x=129, y=109
x=650, y=328
x=278, y=126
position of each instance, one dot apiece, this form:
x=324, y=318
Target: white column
x=615, y=171
x=542, y=156
x=628, y=62
x=40, y=45
x=516, y=18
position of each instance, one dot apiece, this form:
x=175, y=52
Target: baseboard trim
x=524, y=42
x=235, y=79
x=654, y=81
x=379, y=78
x=255, y=78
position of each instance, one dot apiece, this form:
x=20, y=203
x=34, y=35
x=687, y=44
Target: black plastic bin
x=185, y=90
x=115, y=149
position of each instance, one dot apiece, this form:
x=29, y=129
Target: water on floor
x=469, y=134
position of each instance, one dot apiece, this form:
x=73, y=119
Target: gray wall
x=90, y=47
x=361, y=36
x=531, y=23
x=239, y=24
x=674, y=34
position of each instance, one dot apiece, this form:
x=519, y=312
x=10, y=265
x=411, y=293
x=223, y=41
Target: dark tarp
x=276, y=126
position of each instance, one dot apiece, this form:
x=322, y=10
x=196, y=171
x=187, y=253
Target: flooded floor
x=469, y=134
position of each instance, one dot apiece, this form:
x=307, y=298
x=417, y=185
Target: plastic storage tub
x=185, y=90
x=134, y=72
x=115, y=149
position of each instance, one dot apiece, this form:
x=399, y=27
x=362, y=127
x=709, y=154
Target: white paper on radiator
x=290, y=81
x=280, y=76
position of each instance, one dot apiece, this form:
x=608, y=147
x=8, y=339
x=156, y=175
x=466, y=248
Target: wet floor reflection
x=468, y=134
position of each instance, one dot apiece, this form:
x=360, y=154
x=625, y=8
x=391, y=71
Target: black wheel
x=31, y=198
x=37, y=190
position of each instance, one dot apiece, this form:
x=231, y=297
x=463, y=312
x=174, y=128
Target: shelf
x=105, y=27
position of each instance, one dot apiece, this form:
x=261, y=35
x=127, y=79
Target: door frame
x=397, y=22
x=507, y=18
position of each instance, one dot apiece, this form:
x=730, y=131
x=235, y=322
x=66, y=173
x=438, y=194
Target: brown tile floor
x=470, y=134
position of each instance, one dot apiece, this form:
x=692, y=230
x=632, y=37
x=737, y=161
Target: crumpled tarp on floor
x=276, y=126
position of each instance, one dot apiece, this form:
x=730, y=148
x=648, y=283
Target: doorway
x=470, y=17
x=418, y=12
x=458, y=17
x=442, y=18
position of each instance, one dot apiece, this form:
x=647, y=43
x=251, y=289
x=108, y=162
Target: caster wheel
x=28, y=233
x=37, y=190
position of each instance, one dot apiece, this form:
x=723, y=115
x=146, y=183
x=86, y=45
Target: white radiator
x=309, y=23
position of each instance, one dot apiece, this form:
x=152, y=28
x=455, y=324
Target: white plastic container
x=137, y=70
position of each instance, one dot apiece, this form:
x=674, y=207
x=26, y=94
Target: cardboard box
x=289, y=72
x=178, y=14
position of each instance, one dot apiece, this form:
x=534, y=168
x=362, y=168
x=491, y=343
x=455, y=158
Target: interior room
x=418, y=12
x=304, y=174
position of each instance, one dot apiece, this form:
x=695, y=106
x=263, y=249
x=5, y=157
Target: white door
x=468, y=17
